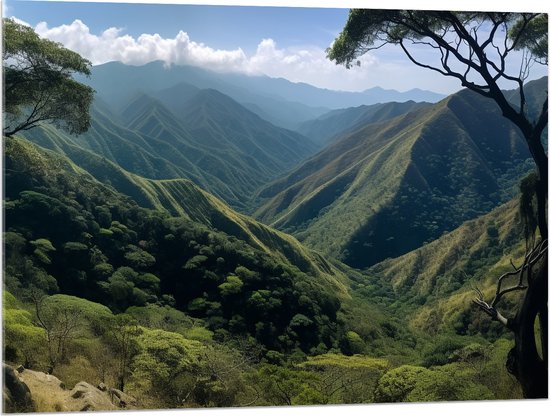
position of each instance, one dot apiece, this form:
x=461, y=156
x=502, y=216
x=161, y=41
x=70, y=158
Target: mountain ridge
x=149, y=140
x=334, y=203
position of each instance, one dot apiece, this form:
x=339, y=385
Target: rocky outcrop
x=28, y=391
x=122, y=399
x=16, y=394
x=91, y=398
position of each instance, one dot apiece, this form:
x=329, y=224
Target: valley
x=218, y=239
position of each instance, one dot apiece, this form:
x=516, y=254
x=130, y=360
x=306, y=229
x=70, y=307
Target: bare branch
x=522, y=273
x=489, y=309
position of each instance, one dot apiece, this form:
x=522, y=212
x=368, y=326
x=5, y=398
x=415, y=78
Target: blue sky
x=224, y=27
x=287, y=42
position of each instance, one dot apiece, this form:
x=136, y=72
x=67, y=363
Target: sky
x=288, y=42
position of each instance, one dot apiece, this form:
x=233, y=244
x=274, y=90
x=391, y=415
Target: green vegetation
x=330, y=126
x=388, y=188
x=454, y=34
x=120, y=269
x=38, y=83
x=55, y=242
x=198, y=317
x=214, y=142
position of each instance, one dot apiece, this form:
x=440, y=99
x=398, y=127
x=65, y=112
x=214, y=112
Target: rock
x=102, y=387
x=20, y=369
x=42, y=378
x=122, y=399
x=16, y=394
x=90, y=397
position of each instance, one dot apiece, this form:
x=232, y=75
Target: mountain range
x=210, y=139
x=277, y=100
x=390, y=177
x=334, y=123
x=382, y=189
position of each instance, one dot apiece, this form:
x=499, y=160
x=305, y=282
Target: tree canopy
x=38, y=83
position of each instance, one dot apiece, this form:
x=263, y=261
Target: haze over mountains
x=279, y=101
x=212, y=140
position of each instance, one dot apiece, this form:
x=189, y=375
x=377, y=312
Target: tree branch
x=531, y=259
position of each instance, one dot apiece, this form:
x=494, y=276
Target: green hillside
x=214, y=142
x=330, y=125
x=390, y=187
x=433, y=286
x=89, y=240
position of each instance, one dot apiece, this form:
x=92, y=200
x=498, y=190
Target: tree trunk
x=541, y=161
x=524, y=362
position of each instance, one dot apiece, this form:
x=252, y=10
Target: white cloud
x=112, y=45
x=296, y=64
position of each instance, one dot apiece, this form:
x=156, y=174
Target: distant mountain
x=220, y=122
x=390, y=187
x=213, y=141
x=278, y=100
x=176, y=96
x=332, y=124
x=117, y=83
x=382, y=95
x=321, y=97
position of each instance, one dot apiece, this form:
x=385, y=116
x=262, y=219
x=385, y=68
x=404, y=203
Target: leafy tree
x=396, y=384
x=166, y=365
x=450, y=382
x=38, y=83
x=352, y=343
x=122, y=335
x=475, y=48
x=42, y=249
x=343, y=379
x=138, y=258
x=231, y=286
x=221, y=382
x=282, y=386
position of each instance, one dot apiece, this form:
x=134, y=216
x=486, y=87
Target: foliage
x=38, y=85
x=413, y=384
x=165, y=365
x=533, y=37
x=416, y=177
x=222, y=311
x=343, y=379
x=152, y=258
x=22, y=338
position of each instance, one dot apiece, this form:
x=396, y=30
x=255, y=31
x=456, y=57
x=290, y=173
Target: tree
x=21, y=336
x=166, y=366
x=476, y=48
x=38, y=83
x=61, y=324
x=123, y=337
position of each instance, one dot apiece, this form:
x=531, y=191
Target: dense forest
x=169, y=245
